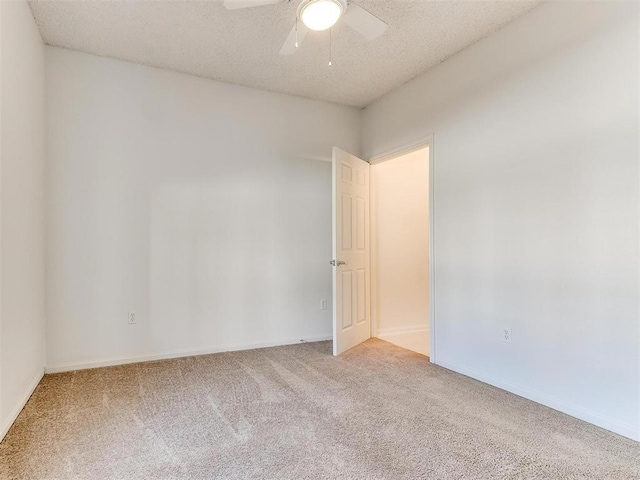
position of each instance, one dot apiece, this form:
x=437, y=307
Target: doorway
x=400, y=250
x=383, y=229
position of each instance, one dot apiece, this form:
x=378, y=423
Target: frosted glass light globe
x=320, y=15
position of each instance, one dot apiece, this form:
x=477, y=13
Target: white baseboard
x=18, y=408
x=384, y=332
x=232, y=347
x=409, y=337
x=613, y=425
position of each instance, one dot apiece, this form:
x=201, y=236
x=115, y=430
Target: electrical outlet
x=506, y=335
x=323, y=304
x=132, y=318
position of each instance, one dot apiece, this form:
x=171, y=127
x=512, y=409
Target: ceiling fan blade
x=289, y=45
x=367, y=25
x=236, y=4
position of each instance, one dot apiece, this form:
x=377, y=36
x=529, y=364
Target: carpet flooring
x=296, y=412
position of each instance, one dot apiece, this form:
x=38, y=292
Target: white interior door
x=352, y=267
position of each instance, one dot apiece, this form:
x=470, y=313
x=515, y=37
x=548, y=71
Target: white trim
x=611, y=424
x=373, y=252
x=150, y=357
x=432, y=248
x=428, y=141
x=401, y=330
x=334, y=252
x=402, y=150
x=18, y=408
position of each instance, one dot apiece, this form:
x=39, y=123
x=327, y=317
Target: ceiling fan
x=320, y=15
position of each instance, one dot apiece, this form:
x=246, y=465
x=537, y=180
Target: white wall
x=22, y=153
x=204, y=207
x=536, y=205
x=400, y=245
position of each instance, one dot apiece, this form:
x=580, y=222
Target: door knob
x=337, y=263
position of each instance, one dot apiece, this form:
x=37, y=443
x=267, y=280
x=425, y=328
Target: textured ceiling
x=241, y=46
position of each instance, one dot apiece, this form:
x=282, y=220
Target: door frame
x=418, y=144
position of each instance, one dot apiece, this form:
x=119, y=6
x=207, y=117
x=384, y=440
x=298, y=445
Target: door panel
x=362, y=295
x=347, y=284
x=351, y=279
x=346, y=221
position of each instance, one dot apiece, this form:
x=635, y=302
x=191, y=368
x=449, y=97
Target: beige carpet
x=296, y=412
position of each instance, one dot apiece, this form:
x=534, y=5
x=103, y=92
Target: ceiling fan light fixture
x=320, y=15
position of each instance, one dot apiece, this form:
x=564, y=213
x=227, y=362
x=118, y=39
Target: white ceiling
x=241, y=46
